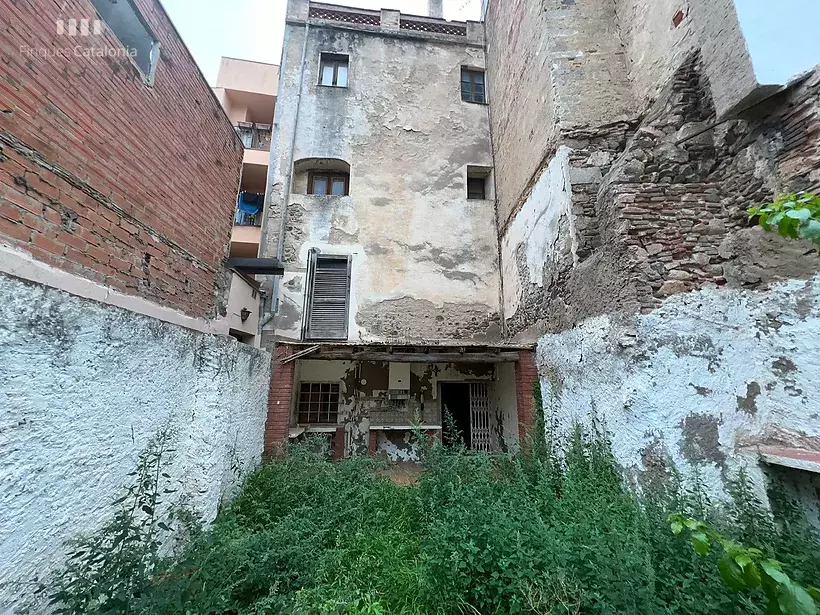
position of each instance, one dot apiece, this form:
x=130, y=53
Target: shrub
x=532, y=533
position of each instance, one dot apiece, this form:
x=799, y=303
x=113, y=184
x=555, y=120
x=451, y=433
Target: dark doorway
x=455, y=399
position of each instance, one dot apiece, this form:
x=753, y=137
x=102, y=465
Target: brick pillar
x=371, y=443
x=526, y=374
x=280, y=401
x=339, y=443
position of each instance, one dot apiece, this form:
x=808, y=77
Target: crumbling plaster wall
x=83, y=388
x=702, y=380
x=424, y=258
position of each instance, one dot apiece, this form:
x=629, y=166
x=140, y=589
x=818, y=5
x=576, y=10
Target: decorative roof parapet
x=386, y=21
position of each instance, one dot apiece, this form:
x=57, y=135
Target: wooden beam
x=417, y=357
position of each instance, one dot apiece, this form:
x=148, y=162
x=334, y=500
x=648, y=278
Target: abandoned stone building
x=381, y=209
x=565, y=176
x=452, y=211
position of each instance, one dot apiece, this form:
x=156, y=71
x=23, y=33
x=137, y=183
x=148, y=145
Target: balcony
x=247, y=220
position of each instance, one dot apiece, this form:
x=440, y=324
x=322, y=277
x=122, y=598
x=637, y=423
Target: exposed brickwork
x=280, y=401
x=338, y=443
x=371, y=443
x=526, y=373
x=134, y=186
x=659, y=204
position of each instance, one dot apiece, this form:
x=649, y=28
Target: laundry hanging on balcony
x=250, y=202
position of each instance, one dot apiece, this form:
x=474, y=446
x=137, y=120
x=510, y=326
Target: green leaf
x=794, y=600
x=677, y=527
x=731, y=574
x=810, y=230
x=700, y=542
x=799, y=214
x=751, y=575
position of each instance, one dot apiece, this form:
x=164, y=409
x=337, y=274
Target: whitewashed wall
x=704, y=379
x=83, y=387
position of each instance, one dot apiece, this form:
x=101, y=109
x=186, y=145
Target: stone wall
x=424, y=257
x=553, y=66
x=625, y=245
x=660, y=208
x=83, y=388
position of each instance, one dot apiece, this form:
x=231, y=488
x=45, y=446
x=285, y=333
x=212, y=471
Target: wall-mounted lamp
x=244, y=313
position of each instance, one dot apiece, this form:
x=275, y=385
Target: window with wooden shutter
x=329, y=298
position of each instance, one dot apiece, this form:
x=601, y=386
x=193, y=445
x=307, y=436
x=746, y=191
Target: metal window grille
x=318, y=402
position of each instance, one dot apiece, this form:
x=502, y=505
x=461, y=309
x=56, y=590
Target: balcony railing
x=249, y=207
x=254, y=136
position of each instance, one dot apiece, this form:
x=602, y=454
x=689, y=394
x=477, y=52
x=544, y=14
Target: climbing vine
x=793, y=215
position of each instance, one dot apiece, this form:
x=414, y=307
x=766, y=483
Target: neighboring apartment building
x=118, y=180
x=577, y=181
x=389, y=309
x=247, y=91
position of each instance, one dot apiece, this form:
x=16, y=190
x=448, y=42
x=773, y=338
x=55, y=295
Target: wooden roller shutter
x=329, y=298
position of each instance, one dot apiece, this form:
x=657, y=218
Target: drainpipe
x=280, y=248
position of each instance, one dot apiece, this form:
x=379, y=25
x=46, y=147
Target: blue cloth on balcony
x=250, y=202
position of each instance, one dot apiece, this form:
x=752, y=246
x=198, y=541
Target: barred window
x=318, y=402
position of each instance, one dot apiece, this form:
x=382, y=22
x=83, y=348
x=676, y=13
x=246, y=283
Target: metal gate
x=480, y=430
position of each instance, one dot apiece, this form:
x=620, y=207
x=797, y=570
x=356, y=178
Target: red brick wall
x=280, y=401
x=526, y=373
x=130, y=185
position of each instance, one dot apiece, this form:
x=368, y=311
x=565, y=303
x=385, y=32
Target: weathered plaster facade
x=83, y=387
x=704, y=380
x=424, y=257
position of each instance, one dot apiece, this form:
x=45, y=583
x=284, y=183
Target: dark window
x=476, y=188
x=318, y=402
x=333, y=70
x=328, y=298
x=128, y=26
x=472, y=85
x=328, y=183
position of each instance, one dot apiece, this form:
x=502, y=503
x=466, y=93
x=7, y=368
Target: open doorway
x=455, y=400
x=469, y=406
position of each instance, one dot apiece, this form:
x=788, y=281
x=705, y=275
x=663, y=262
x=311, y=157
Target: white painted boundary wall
x=83, y=387
x=704, y=379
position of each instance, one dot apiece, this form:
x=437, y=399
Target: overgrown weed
x=533, y=532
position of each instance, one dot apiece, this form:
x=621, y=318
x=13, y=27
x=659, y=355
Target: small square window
x=472, y=85
x=318, y=403
x=333, y=70
x=333, y=183
x=476, y=188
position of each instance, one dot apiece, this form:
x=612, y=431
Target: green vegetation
x=478, y=534
x=794, y=215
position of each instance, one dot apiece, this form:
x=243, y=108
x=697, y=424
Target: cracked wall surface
x=701, y=381
x=83, y=388
x=424, y=258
